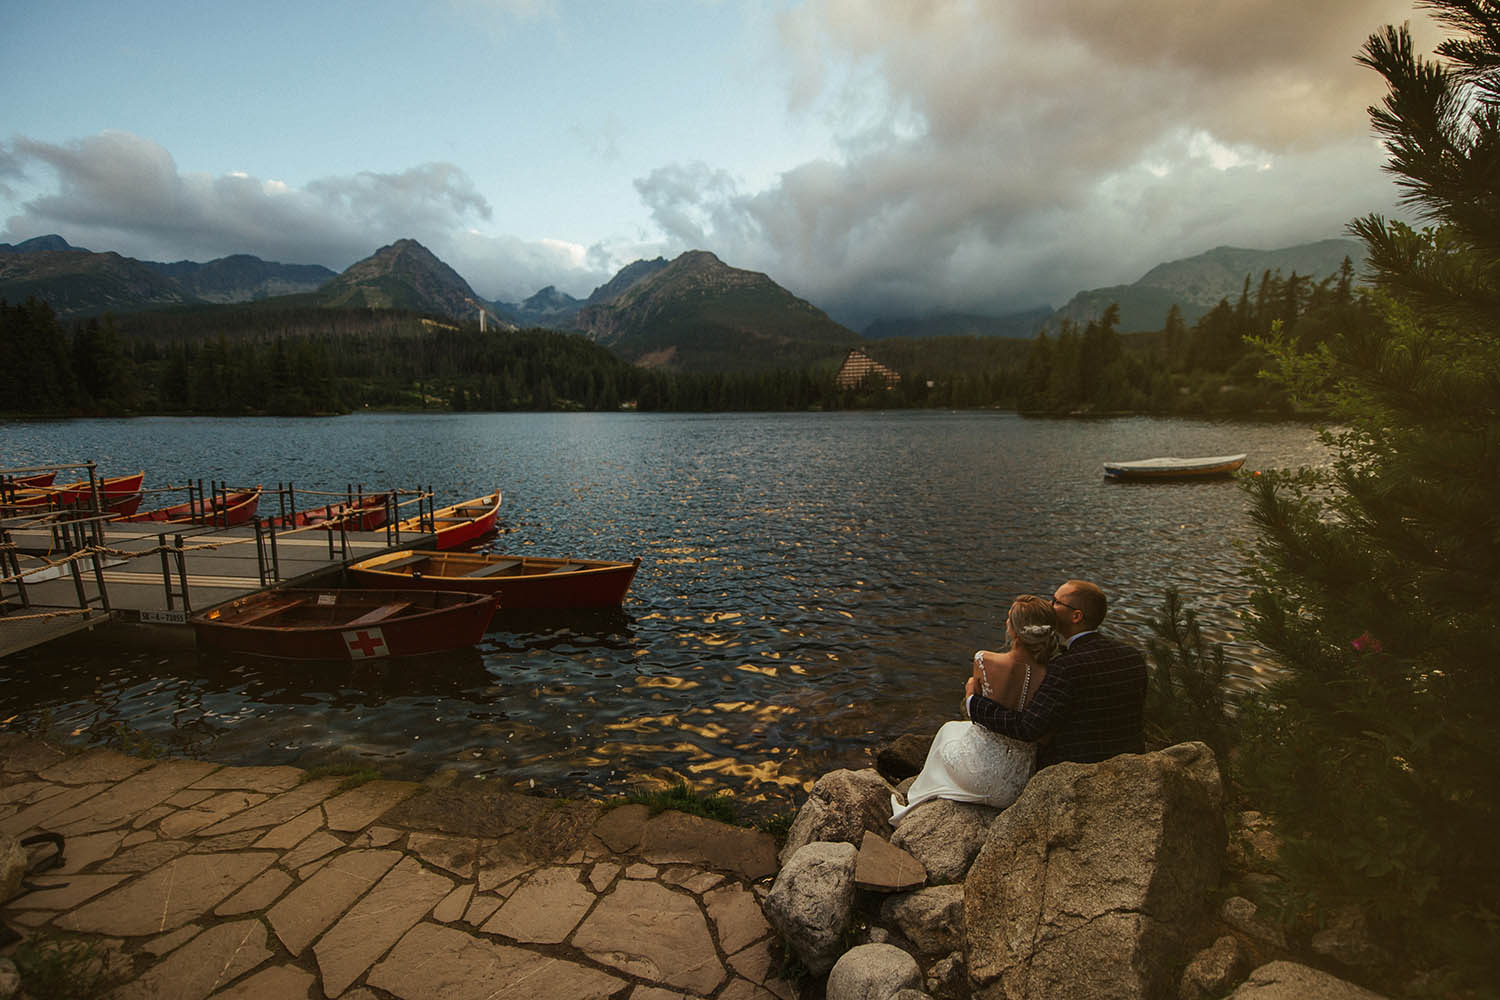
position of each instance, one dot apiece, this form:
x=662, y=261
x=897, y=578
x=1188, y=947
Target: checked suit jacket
x=1092, y=703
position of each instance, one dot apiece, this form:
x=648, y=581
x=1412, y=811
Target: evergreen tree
x=1378, y=581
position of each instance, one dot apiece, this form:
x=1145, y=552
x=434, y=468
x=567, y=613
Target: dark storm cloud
x=999, y=156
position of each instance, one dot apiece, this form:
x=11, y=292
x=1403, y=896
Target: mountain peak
x=403, y=275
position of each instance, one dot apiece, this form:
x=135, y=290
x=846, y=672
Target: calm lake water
x=811, y=584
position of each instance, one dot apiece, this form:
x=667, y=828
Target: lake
x=811, y=585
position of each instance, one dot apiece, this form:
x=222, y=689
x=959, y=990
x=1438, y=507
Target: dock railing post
x=187, y=601
x=12, y=567
x=260, y=549
x=166, y=568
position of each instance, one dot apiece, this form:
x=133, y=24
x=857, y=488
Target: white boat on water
x=1174, y=468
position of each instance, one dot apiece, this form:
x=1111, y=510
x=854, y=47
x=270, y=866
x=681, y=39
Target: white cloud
x=123, y=192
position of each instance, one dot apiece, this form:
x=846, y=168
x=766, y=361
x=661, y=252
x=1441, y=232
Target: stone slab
x=458, y=855
x=454, y=905
x=130, y=797
x=267, y=780
x=279, y=982
x=37, y=815
x=295, y=830
x=211, y=811
x=648, y=930
x=178, y=892
x=440, y=963
x=311, y=849
x=213, y=958
x=80, y=852
x=677, y=837
x=545, y=909
x=620, y=829
x=315, y=904
x=376, y=922
x=259, y=894
x=278, y=809
x=64, y=893
x=359, y=807
x=736, y=916
x=94, y=766
x=883, y=867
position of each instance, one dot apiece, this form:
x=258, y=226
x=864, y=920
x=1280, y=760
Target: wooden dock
x=156, y=573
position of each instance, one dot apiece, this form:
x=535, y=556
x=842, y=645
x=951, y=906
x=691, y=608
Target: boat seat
x=266, y=612
x=408, y=561
x=495, y=567
x=380, y=614
x=567, y=568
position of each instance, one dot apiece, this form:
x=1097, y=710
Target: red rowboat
x=519, y=581
x=116, y=492
x=364, y=513
x=345, y=624
x=460, y=523
x=225, y=511
x=33, y=480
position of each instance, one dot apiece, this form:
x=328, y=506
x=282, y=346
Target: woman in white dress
x=969, y=763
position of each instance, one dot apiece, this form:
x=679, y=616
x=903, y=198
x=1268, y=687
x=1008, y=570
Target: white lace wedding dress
x=969, y=763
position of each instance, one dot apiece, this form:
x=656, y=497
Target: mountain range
x=693, y=312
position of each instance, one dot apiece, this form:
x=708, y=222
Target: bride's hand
x=971, y=688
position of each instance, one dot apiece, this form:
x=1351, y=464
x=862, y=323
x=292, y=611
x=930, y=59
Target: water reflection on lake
x=811, y=584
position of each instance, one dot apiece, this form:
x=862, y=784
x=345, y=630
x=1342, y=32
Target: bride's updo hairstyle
x=1032, y=620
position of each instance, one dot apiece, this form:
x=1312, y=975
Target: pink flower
x=1367, y=643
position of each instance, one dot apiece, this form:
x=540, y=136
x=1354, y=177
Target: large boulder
x=945, y=836
x=902, y=757
x=1290, y=981
x=811, y=903
x=13, y=863
x=931, y=919
x=843, y=804
x=1095, y=879
x=872, y=972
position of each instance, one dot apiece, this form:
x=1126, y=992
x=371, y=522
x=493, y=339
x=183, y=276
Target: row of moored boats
x=405, y=602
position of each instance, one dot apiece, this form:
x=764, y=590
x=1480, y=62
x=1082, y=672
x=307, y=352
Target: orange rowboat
x=364, y=513
x=460, y=523
x=519, y=581
x=223, y=510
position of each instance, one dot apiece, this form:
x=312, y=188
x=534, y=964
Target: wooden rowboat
x=460, y=523
x=519, y=581
x=365, y=513
x=1174, y=468
x=224, y=510
x=116, y=492
x=345, y=624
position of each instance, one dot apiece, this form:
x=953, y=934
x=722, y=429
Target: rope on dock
x=89, y=551
x=44, y=615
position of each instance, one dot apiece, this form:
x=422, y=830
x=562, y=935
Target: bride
x=969, y=763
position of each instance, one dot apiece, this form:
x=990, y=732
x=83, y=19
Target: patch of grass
x=354, y=775
x=777, y=825
x=133, y=742
x=58, y=968
x=683, y=798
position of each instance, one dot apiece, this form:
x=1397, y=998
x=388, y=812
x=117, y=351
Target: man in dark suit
x=1091, y=703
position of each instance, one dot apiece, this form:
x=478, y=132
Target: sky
x=880, y=158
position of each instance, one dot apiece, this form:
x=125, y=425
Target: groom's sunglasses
x=1065, y=604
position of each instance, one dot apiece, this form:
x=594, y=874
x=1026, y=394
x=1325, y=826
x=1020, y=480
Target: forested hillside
x=278, y=357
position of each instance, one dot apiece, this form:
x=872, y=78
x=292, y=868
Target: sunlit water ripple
x=811, y=584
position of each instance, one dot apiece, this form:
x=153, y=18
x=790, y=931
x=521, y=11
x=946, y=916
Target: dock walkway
x=143, y=582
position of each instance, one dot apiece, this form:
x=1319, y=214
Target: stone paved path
x=253, y=883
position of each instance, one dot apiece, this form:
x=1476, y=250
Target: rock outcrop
x=1094, y=880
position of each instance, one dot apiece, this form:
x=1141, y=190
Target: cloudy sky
x=877, y=157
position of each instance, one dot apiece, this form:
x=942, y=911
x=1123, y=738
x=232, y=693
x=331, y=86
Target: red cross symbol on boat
x=365, y=643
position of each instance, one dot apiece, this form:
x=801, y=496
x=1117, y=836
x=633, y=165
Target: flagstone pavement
x=255, y=883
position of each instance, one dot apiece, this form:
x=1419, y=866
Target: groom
x=1092, y=701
